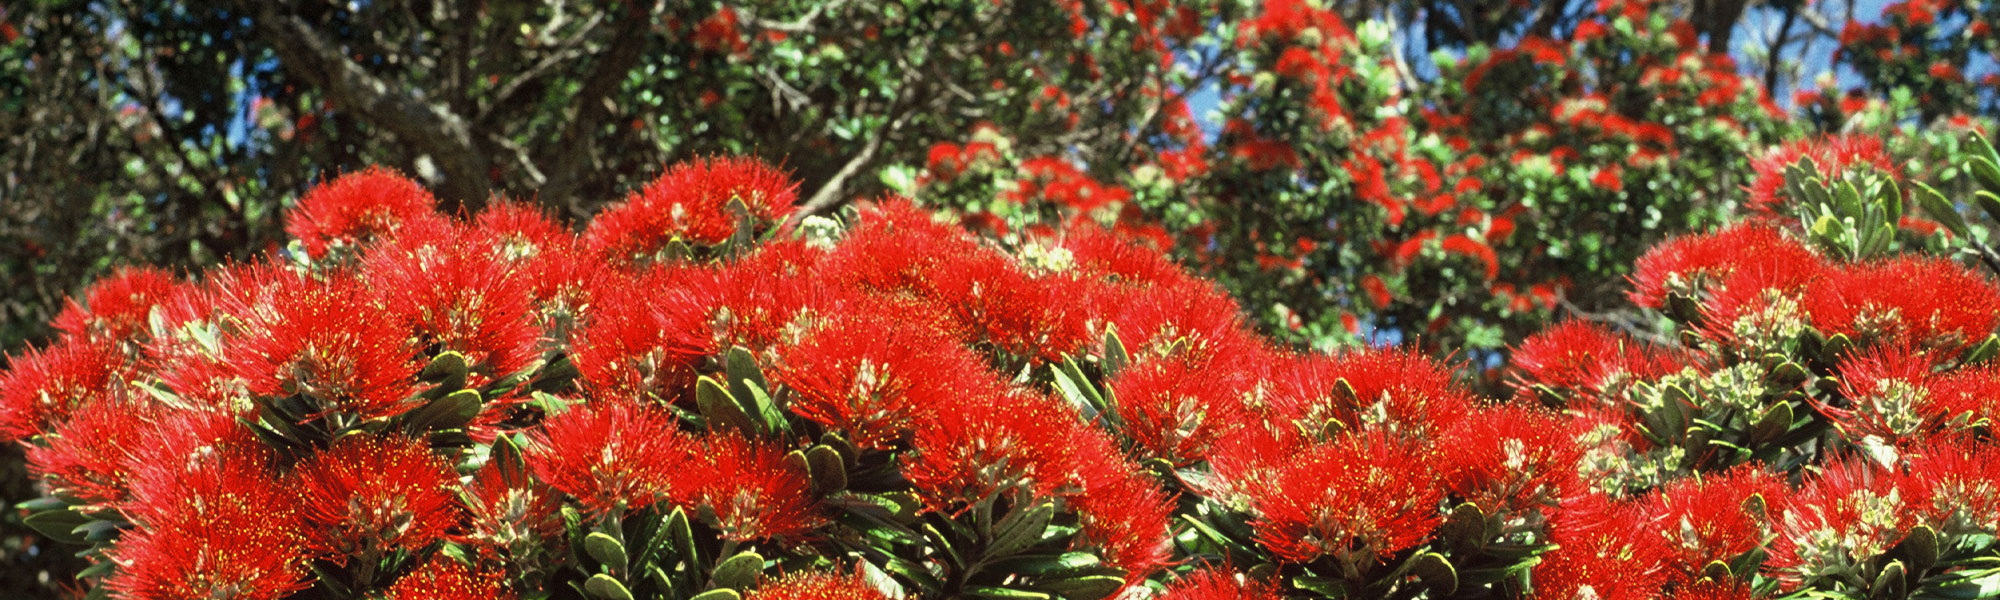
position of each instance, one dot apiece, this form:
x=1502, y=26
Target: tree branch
x=431, y=129
x=571, y=156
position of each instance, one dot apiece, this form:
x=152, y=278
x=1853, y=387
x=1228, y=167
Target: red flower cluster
x=478, y=409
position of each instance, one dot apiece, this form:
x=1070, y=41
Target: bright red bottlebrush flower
x=1960, y=483
x=1104, y=255
x=1709, y=589
x=998, y=304
x=40, y=388
x=556, y=266
x=1602, y=552
x=612, y=454
x=1049, y=453
x=1508, y=457
x=1359, y=500
x=117, y=307
x=376, y=492
x=1402, y=391
x=643, y=335
x=442, y=578
x=1197, y=314
x=221, y=526
x=356, y=208
x=508, y=510
x=1464, y=245
x=320, y=339
x=1703, y=519
x=818, y=586
x=1177, y=407
x=690, y=202
x=1588, y=358
x=761, y=297
x=1867, y=508
x=1833, y=155
x=1684, y=264
x=753, y=493
x=1217, y=584
x=456, y=294
x=1925, y=302
x=1888, y=389
x=867, y=376
x=84, y=457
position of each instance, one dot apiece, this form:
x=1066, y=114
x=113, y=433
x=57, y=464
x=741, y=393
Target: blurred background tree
x=1442, y=172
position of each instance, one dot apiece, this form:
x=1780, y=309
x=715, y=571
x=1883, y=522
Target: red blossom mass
x=818, y=586
x=958, y=379
x=613, y=455
x=358, y=207
x=376, y=492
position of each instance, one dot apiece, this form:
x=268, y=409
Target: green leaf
x=1774, y=423
x=1986, y=171
x=59, y=524
x=829, y=472
x=1941, y=209
x=1436, y=573
x=738, y=572
x=605, y=549
x=721, y=410
x=1089, y=587
x=448, y=370
x=1020, y=529
x=1982, y=352
x=605, y=587
x=1920, y=548
x=719, y=594
x=452, y=411
x=1989, y=202
x=1890, y=584
x=1115, y=358
x=1000, y=593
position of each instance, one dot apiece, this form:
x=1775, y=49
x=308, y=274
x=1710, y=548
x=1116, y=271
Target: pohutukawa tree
x=699, y=396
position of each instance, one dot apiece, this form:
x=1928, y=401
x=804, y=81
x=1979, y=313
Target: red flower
x=1683, y=264
x=1928, y=302
x=85, y=456
x=1217, y=584
x=643, y=335
x=1378, y=293
x=456, y=294
x=1719, y=518
x=1587, y=358
x=117, y=307
x=865, y=376
x=1959, y=481
x=1888, y=389
x=374, y=493
x=753, y=493
x=718, y=33
x=1464, y=245
x=323, y=339
x=1359, y=500
x=1864, y=507
x=356, y=208
x=690, y=202
x=1833, y=155
x=612, y=454
x=1177, y=407
x=442, y=578
x=1508, y=457
x=223, y=526
x=818, y=586
x=40, y=388
x=1602, y=551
